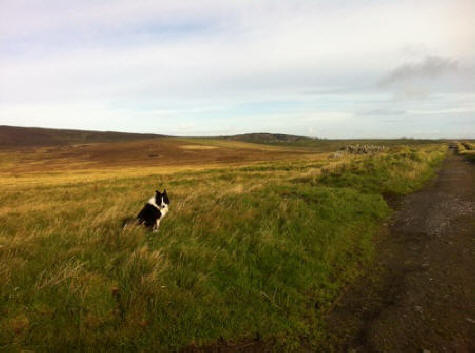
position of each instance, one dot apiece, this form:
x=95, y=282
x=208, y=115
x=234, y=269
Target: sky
x=327, y=69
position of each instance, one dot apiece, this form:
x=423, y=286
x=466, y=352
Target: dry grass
x=198, y=147
x=260, y=247
x=467, y=149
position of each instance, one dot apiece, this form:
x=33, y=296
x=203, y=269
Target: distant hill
x=265, y=137
x=14, y=136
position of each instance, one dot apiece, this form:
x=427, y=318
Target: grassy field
x=258, y=243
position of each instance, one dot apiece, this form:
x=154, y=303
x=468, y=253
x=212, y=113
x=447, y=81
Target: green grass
x=258, y=250
x=401, y=172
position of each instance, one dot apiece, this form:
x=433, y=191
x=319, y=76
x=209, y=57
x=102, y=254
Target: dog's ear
x=165, y=197
x=157, y=192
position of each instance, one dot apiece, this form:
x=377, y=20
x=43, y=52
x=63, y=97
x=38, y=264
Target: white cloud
x=114, y=60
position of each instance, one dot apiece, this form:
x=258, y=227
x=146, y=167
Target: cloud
x=431, y=67
x=419, y=80
x=188, y=67
x=384, y=111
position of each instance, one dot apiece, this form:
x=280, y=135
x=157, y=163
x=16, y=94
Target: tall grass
x=257, y=251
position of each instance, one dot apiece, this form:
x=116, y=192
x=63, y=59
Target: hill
x=14, y=136
x=265, y=137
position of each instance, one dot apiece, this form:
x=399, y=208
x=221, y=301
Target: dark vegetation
x=268, y=138
x=14, y=136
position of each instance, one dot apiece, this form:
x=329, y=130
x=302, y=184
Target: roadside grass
x=252, y=251
x=399, y=172
x=467, y=149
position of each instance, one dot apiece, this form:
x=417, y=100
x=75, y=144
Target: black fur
x=148, y=215
x=152, y=212
x=164, y=196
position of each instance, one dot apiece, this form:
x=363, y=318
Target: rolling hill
x=265, y=137
x=14, y=136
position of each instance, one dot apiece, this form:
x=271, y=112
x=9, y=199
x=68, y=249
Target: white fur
x=157, y=225
x=153, y=203
x=164, y=209
x=163, y=206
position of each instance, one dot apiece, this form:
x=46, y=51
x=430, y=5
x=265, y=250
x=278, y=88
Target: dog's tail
x=128, y=221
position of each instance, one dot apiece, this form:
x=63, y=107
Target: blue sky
x=330, y=69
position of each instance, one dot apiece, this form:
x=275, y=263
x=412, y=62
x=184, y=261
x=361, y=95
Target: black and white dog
x=154, y=210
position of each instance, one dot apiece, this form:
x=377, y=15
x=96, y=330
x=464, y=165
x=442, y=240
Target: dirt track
x=419, y=296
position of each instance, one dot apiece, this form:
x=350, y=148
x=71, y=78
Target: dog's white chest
x=164, y=210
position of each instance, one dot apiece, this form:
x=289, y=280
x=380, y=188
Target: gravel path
x=419, y=297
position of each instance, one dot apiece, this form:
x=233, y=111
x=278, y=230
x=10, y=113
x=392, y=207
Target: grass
x=326, y=145
x=467, y=149
x=260, y=250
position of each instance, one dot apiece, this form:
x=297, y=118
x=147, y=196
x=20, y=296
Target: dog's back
x=149, y=215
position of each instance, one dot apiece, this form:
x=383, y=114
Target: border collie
x=154, y=210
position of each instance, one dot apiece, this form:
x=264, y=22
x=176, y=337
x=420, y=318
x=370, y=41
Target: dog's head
x=161, y=199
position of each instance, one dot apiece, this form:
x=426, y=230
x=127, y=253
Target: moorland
x=259, y=243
